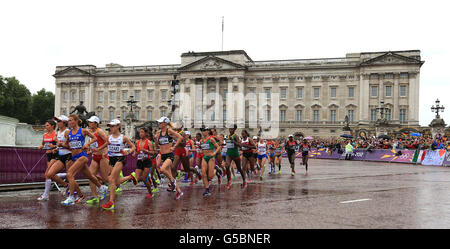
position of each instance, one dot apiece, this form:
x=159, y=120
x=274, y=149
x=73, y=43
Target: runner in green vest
x=233, y=142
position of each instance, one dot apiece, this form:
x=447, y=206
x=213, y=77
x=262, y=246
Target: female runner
x=291, y=145
x=278, y=157
x=53, y=167
x=304, y=148
x=209, y=150
x=99, y=162
x=75, y=139
x=271, y=154
x=164, y=138
x=116, y=153
x=233, y=142
x=262, y=156
x=247, y=147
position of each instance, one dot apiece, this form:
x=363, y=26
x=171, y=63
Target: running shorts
x=262, y=156
x=181, y=152
x=97, y=158
x=144, y=164
x=64, y=158
x=115, y=159
x=75, y=157
x=51, y=156
x=164, y=157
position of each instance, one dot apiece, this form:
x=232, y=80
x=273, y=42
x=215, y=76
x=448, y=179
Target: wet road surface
x=336, y=194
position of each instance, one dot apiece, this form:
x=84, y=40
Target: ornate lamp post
x=437, y=108
x=174, y=88
x=130, y=117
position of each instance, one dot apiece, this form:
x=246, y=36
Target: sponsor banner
x=447, y=159
x=357, y=154
x=434, y=157
x=402, y=156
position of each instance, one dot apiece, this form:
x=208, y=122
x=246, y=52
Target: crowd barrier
x=424, y=157
x=27, y=165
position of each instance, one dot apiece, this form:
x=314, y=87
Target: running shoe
x=102, y=192
x=219, y=179
x=207, y=192
x=234, y=178
x=228, y=186
x=118, y=190
x=155, y=190
x=279, y=172
x=293, y=173
x=247, y=180
x=179, y=194
x=42, y=198
x=108, y=206
x=149, y=195
x=93, y=201
x=192, y=183
x=261, y=178
x=243, y=185
x=185, y=181
x=133, y=178
x=80, y=199
x=158, y=181
x=68, y=202
x=121, y=175
x=178, y=175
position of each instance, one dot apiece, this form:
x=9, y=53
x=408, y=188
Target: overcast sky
x=39, y=35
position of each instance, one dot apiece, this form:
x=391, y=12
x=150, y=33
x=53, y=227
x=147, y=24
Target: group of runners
x=167, y=152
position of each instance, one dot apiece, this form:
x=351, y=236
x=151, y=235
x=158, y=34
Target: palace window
x=374, y=91
x=124, y=95
x=333, y=92
x=111, y=115
x=316, y=115
x=373, y=115
x=283, y=93
x=402, y=91
x=299, y=115
x=100, y=96
x=163, y=113
x=351, y=92
x=282, y=115
x=300, y=93
x=388, y=92
x=388, y=114
x=402, y=115
x=350, y=115
x=267, y=92
x=137, y=95
x=163, y=94
x=149, y=115
x=136, y=115
x=316, y=92
x=333, y=115
x=149, y=95
x=65, y=96
x=82, y=95
x=112, y=96
x=99, y=114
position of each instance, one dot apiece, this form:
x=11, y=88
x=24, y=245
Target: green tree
x=43, y=105
x=15, y=99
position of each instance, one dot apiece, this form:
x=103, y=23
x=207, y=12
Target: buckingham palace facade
x=307, y=96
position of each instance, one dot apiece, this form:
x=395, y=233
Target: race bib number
x=262, y=149
x=94, y=145
x=114, y=148
x=163, y=140
x=75, y=144
x=205, y=146
x=141, y=156
x=230, y=145
x=47, y=146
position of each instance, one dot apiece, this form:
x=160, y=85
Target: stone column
x=364, y=98
x=217, y=104
x=413, y=99
x=395, y=95
x=58, y=100
x=90, y=95
x=230, y=104
x=240, y=104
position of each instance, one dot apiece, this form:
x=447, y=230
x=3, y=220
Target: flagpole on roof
x=222, y=33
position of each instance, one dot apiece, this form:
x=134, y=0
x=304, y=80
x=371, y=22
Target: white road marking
x=355, y=200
